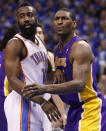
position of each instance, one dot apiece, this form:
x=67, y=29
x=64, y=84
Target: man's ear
x=74, y=24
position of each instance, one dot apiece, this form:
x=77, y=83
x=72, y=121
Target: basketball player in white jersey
x=26, y=63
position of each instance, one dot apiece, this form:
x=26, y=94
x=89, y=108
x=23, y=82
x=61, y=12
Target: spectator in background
x=4, y=25
x=93, y=41
x=40, y=31
x=102, y=30
x=102, y=56
x=102, y=84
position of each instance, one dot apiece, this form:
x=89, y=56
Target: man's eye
x=56, y=18
x=21, y=16
x=30, y=14
x=64, y=18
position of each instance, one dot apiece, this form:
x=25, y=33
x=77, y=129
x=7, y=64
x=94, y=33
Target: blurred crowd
x=91, y=16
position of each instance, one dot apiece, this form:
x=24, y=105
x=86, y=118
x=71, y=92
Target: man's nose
x=60, y=21
x=26, y=18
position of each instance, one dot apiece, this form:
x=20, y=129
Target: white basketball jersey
x=34, y=66
x=27, y=115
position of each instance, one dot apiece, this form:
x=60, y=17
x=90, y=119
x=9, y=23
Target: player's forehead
x=39, y=28
x=25, y=9
x=62, y=13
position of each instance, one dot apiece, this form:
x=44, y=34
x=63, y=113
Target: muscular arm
x=13, y=53
x=81, y=56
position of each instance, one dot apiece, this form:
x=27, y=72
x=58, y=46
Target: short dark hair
x=23, y=4
x=72, y=15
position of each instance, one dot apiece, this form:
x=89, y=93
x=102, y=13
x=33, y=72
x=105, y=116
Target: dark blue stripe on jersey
x=25, y=115
x=25, y=110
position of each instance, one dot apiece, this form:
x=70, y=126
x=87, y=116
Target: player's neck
x=32, y=37
x=66, y=38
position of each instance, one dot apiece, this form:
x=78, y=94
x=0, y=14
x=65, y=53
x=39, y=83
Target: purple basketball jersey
x=67, y=66
x=3, y=121
x=89, y=100
x=2, y=73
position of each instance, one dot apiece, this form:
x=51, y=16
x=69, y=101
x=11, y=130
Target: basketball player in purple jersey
x=3, y=78
x=3, y=122
x=74, y=56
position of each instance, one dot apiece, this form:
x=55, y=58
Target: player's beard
x=28, y=32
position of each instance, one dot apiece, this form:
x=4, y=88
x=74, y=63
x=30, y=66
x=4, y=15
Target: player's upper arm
x=12, y=57
x=81, y=52
x=82, y=58
x=13, y=49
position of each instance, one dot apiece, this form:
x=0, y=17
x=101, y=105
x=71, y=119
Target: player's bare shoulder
x=81, y=50
x=15, y=47
x=14, y=43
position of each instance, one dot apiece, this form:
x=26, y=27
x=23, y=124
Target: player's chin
x=28, y=29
